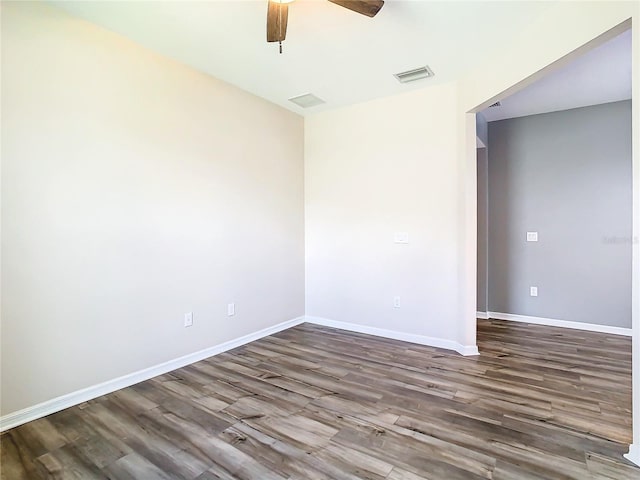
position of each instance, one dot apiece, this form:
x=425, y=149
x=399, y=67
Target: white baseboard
x=634, y=454
x=552, y=322
x=465, y=350
x=74, y=398
x=483, y=315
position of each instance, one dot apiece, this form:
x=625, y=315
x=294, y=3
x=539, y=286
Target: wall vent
x=413, y=75
x=497, y=104
x=307, y=100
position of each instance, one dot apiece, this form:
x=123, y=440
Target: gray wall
x=482, y=128
x=483, y=186
x=566, y=175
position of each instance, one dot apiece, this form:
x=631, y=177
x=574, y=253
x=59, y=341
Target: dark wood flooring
x=318, y=403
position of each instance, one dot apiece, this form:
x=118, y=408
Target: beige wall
x=134, y=189
x=374, y=169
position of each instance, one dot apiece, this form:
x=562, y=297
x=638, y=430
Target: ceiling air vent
x=497, y=104
x=413, y=75
x=307, y=100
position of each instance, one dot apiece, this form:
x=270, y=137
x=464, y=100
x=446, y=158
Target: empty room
x=320, y=239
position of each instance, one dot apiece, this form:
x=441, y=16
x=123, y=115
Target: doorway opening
x=626, y=317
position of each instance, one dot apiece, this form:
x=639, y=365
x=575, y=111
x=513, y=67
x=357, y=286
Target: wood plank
x=317, y=403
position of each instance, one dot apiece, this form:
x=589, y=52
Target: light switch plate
x=532, y=236
x=401, y=237
x=188, y=319
x=231, y=309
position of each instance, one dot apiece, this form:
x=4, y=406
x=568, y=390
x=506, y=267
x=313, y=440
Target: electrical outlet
x=396, y=302
x=188, y=319
x=532, y=236
x=533, y=291
x=231, y=309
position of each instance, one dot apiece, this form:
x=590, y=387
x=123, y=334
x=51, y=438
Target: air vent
x=497, y=104
x=307, y=100
x=413, y=75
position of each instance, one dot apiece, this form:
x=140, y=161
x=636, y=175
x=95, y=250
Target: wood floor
x=317, y=403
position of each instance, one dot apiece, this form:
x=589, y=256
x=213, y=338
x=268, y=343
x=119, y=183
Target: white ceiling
x=338, y=55
x=602, y=75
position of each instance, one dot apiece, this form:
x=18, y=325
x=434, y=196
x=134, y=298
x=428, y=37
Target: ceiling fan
x=278, y=11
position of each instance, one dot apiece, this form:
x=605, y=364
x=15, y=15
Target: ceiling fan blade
x=277, y=14
x=365, y=7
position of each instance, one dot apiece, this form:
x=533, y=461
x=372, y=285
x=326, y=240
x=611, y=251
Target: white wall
x=373, y=169
x=134, y=189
